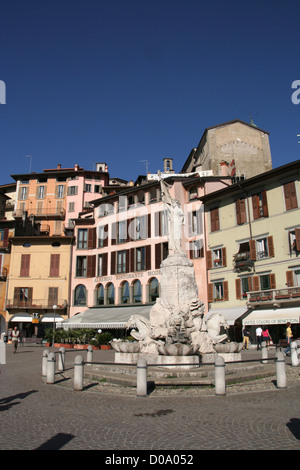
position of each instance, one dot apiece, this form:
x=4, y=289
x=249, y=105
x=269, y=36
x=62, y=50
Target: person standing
x=15, y=338
x=288, y=337
x=246, y=335
x=258, y=337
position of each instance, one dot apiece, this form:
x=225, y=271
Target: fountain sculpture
x=178, y=329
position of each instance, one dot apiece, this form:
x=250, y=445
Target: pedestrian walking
x=15, y=335
x=266, y=337
x=246, y=335
x=258, y=333
x=288, y=337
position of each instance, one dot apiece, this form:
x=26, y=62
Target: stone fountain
x=177, y=331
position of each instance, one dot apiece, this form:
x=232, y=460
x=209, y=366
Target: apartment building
x=253, y=249
x=38, y=283
x=120, y=246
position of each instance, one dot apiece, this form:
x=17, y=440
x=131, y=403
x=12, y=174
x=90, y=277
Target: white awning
x=49, y=318
x=21, y=317
x=230, y=314
x=276, y=316
x=106, y=317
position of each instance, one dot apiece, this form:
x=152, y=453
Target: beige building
x=253, y=249
x=233, y=148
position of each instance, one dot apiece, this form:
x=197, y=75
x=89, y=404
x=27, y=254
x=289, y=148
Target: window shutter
x=224, y=258
x=271, y=247
x=113, y=233
x=149, y=225
x=54, y=265
x=52, y=296
x=208, y=259
x=157, y=255
x=127, y=261
x=214, y=219
x=5, y=237
x=157, y=218
x=252, y=250
x=238, y=289
x=113, y=263
x=255, y=207
x=250, y=284
x=290, y=278
x=91, y=238
x=25, y=264
x=272, y=281
x=297, y=235
x=241, y=216
x=210, y=292
x=104, y=264
x=91, y=266
x=265, y=203
x=255, y=283
x=148, y=257
x=290, y=196
x=225, y=290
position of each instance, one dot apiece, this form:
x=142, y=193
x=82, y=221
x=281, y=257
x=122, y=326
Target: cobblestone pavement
x=36, y=415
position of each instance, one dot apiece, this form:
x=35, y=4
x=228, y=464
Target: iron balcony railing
x=36, y=303
x=274, y=296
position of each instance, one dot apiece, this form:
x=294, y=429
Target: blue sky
x=124, y=81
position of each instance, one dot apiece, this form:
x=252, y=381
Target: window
x=264, y=282
x=121, y=261
x=193, y=193
x=216, y=258
x=72, y=190
x=81, y=266
x=41, y=192
x=161, y=253
x=23, y=193
x=294, y=241
x=125, y=293
x=243, y=285
x=196, y=249
x=290, y=196
x=80, y=295
x=260, y=205
x=71, y=206
x=100, y=295
x=102, y=236
x=214, y=219
x=102, y=264
x=54, y=265
x=140, y=259
x=60, y=191
x=82, y=242
x=25, y=265
x=119, y=232
x=195, y=223
x=153, y=290
x=217, y=290
x=264, y=247
x=110, y=294
x=137, y=292
x=88, y=188
x=23, y=296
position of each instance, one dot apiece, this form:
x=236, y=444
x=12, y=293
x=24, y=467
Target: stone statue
x=175, y=217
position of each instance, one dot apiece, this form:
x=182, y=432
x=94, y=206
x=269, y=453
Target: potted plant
x=102, y=340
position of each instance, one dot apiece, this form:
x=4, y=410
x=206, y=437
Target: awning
x=49, y=318
x=106, y=317
x=230, y=314
x=276, y=316
x=21, y=317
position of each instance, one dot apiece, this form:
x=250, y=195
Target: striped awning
x=105, y=317
x=276, y=316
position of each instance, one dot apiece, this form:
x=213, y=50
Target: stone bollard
x=61, y=359
x=89, y=356
x=51, y=368
x=2, y=349
x=264, y=352
x=280, y=371
x=220, y=386
x=141, y=377
x=294, y=354
x=44, y=362
x=78, y=373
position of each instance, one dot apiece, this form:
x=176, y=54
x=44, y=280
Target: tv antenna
x=298, y=135
x=29, y=156
x=146, y=163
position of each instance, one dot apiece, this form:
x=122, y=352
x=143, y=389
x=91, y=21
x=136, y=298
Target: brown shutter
x=131, y=256
x=16, y=296
x=210, y=292
x=52, y=296
x=29, y=300
x=255, y=283
x=54, y=265
x=290, y=196
x=148, y=257
x=224, y=258
x=272, y=281
x=113, y=263
x=214, y=219
x=238, y=212
x=157, y=219
x=238, y=289
x=297, y=235
x=157, y=255
x=127, y=261
x=265, y=203
x=91, y=238
x=113, y=233
x=5, y=237
x=252, y=245
x=149, y=226
x=105, y=235
x=91, y=266
x=255, y=207
x=250, y=284
x=271, y=247
x=225, y=290
x=289, y=278
x=208, y=259
x=104, y=264
x=241, y=215
x=25, y=264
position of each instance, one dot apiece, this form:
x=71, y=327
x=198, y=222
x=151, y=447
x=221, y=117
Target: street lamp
x=54, y=315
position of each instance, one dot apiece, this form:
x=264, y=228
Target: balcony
x=36, y=304
x=243, y=262
x=274, y=297
x=41, y=213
